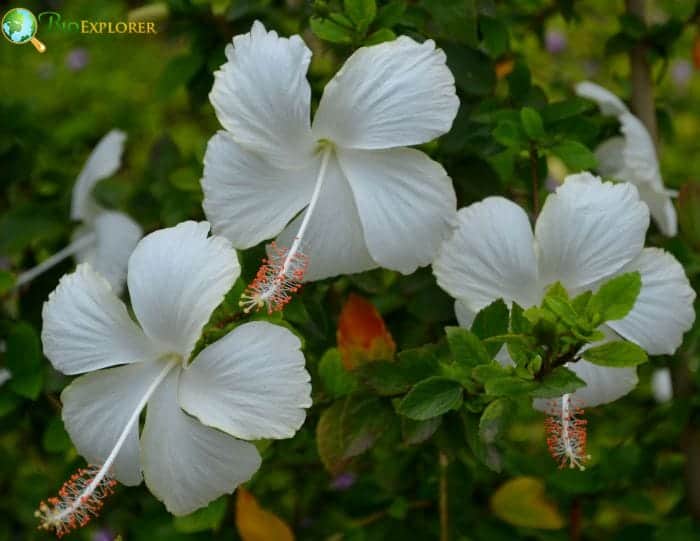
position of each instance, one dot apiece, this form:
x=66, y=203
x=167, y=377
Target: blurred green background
x=505, y=54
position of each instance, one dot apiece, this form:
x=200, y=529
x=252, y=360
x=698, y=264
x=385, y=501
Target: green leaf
x=350, y=427
x=473, y=71
x=532, y=123
x=55, y=438
x=558, y=382
x=615, y=298
x=390, y=14
x=361, y=12
x=380, y=36
x=396, y=377
x=177, y=73
x=560, y=110
x=203, y=520
x=7, y=282
x=508, y=133
x=23, y=358
x=509, y=386
x=415, y=432
x=364, y=420
x=491, y=321
x=616, y=354
x=430, y=398
x=330, y=30
x=329, y=437
x=495, y=35
x=495, y=419
x=336, y=380
x=466, y=347
x=575, y=155
x=518, y=322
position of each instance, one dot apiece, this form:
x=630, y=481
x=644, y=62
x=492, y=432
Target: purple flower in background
x=77, y=59
x=103, y=535
x=681, y=73
x=555, y=41
x=343, y=481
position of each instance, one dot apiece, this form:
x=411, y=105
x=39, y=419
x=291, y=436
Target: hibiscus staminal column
x=282, y=272
x=81, y=497
x=81, y=243
x=566, y=434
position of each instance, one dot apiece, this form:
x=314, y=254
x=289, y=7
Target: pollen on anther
x=277, y=279
x=567, y=435
x=77, y=502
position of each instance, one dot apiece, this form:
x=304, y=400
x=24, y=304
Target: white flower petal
x=662, y=209
x=103, y=162
x=588, y=230
x=86, y=327
x=661, y=385
x=641, y=163
x=406, y=203
x=663, y=311
x=177, y=276
x=603, y=385
x=608, y=102
x=117, y=236
x=97, y=408
x=610, y=157
x=490, y=256
x=393, y=94
x=262, y=97
x=251, y=384
x=186, y=465
x=247, y=199
x=465, y=315
x=334, y=241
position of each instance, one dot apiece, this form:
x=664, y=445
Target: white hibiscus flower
x=250, y=384
x=587, y=232
x=106, y=238
x=632, y=157
x=356, y=197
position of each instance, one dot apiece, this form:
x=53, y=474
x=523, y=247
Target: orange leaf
x=362, y=335
x=696, y=52
x=255, y=523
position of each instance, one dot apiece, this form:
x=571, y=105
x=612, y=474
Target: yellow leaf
x=523, y=502
x=255, y=523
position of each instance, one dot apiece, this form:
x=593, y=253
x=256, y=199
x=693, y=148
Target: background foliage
x=364, y=466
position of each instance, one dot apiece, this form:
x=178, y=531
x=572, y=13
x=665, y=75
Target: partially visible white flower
x=344, y=188
x=632, y=157
x=250, y=384
x=661, y=385
x=5, y=375
x=588, y=232
x=106, y=238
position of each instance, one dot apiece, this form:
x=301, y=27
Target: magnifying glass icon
x=19, y=26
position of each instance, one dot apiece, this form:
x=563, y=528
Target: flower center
x=282, y=273
x=566, y=435
x=80, y=498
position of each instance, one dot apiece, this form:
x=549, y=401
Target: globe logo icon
x=19, y=26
